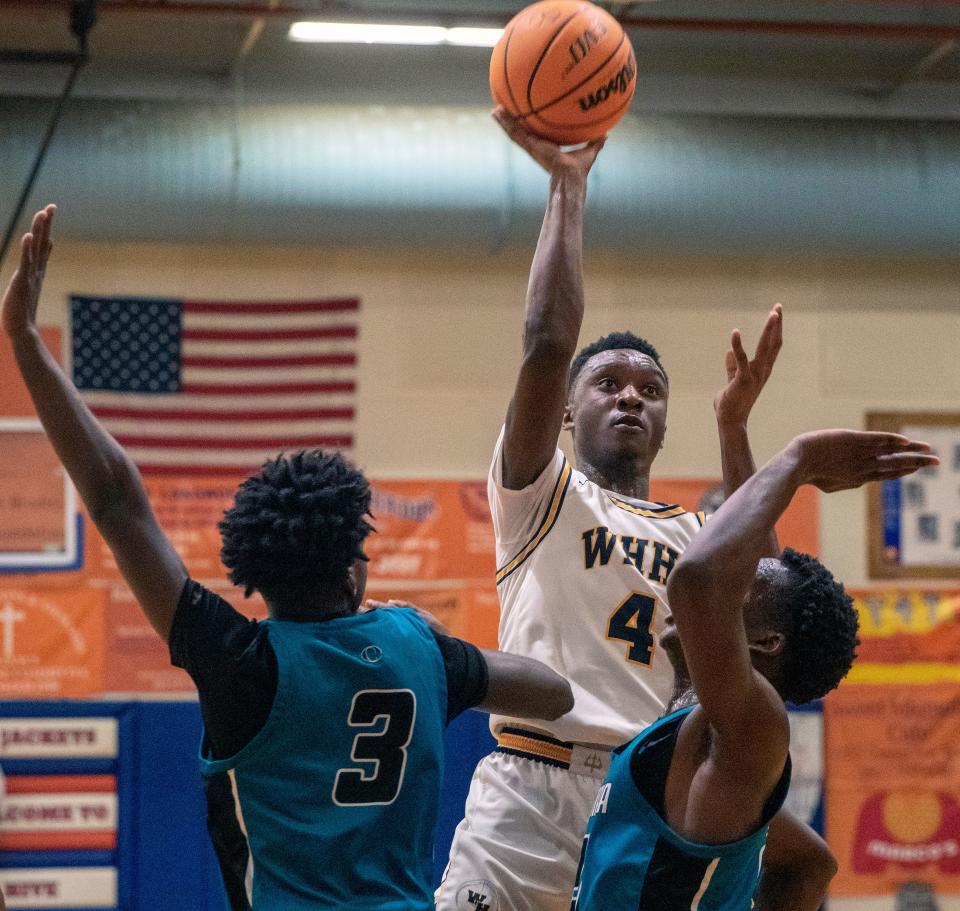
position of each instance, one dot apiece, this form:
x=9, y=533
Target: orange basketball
x=566, y=69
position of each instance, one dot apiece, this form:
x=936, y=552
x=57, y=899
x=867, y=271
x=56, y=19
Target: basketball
x=566, y=69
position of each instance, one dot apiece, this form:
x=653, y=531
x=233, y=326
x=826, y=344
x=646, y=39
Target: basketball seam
x=506, y=73
x=543, y=54
x=579, y=85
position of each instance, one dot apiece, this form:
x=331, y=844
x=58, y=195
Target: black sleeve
x=229, y=842
x=232, y=663
x=466, y=674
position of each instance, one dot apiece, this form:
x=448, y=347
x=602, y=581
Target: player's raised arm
x=709, y=584
x=106, y=479
x=745, y=381
x=554, y=308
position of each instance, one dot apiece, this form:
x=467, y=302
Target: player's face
x=618, y=407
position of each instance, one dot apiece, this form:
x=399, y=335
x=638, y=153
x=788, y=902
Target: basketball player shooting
x=331, y=719
x=681, y=820
x=583, y=558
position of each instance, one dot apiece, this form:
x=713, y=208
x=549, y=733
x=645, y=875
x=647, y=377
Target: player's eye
x=652, y=389
x=606, y=382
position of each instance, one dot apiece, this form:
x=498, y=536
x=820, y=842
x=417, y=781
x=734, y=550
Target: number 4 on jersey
x=631, y=623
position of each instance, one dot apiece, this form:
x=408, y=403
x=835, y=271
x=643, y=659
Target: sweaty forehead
x=623, y=359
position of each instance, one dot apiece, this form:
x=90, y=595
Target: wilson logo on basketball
x=619, y=85
x=579, y=49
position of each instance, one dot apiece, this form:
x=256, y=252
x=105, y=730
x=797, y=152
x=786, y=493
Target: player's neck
x=627, y=479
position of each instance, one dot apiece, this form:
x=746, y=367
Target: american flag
x=202, y=387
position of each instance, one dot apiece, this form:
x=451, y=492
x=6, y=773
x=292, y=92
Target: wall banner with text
x=893, y=768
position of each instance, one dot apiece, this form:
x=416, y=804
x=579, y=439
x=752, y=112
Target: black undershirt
x=234, y=667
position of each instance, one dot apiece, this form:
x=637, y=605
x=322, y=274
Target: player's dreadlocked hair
x=608, y=343
x=297, y=526
x=820, y=625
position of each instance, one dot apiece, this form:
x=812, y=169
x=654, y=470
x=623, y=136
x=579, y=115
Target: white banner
x=59, y=812
x=58, y=738
x=60, y=887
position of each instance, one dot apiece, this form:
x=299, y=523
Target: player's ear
x=567, y=422
x=767, y=643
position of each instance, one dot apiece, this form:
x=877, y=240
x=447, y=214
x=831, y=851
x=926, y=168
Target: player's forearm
x=104, y=476
x=727, y=550
x=524, y=687
x=736, y=459
x=555, y=290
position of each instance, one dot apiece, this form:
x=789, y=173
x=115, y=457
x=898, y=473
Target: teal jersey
x=633, y=859
x=340, y=787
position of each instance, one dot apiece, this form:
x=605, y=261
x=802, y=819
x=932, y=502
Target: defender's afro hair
x=297, y=525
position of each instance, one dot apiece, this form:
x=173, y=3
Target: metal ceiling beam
x=880, y=31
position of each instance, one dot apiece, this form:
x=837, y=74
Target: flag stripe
x=310, y=360
x=237, y=405
x=254, y=377
x=261, y=322
x=286, y=348
x=266, y=335
x=201, y=430
x=240, y=308
x=186, y=414
x=192, y=388
x=237, y=460
x=277, y=443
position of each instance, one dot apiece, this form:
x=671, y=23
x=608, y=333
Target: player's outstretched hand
x=425, y=615
x=746, y=378
x=23, y=293
x=842, y=459
x=551, y=157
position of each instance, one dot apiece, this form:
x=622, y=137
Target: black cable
x=83, y=16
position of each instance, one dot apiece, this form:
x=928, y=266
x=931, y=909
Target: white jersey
x=581, y=575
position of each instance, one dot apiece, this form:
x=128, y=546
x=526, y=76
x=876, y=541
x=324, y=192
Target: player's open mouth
x=628, y=420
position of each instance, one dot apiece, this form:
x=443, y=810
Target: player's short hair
x=608, y=343
x=820, y=625
x=297, y=525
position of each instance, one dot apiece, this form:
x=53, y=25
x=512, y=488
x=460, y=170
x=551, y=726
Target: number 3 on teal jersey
x=381, y=754
x=631, y=623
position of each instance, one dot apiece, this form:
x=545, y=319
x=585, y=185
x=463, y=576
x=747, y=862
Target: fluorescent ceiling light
x=374, y=33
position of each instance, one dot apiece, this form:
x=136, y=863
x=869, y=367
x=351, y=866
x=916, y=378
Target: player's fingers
x=26, y=251
x=730, y=363
x=771, y=338
x=736, y=343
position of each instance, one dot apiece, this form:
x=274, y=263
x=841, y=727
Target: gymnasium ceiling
x=855, y=57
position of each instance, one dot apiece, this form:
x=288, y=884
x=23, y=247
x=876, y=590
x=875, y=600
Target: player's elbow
x=687, y=585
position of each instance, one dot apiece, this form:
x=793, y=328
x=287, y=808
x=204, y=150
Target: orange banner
x=893, y=768
x=32, y=495
x=431, y=530
x=51, y=643
x=893, y=787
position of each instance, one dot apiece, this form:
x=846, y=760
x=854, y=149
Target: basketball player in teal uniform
x=681, y=821
x=331, y=719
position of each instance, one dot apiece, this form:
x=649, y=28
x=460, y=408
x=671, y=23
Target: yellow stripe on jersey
x=701, y=518
x=665, y=512
x=549, y=519
x=553, y=751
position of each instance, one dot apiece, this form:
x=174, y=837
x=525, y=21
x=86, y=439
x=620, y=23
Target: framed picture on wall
x=914, y=522
x=40, y=528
